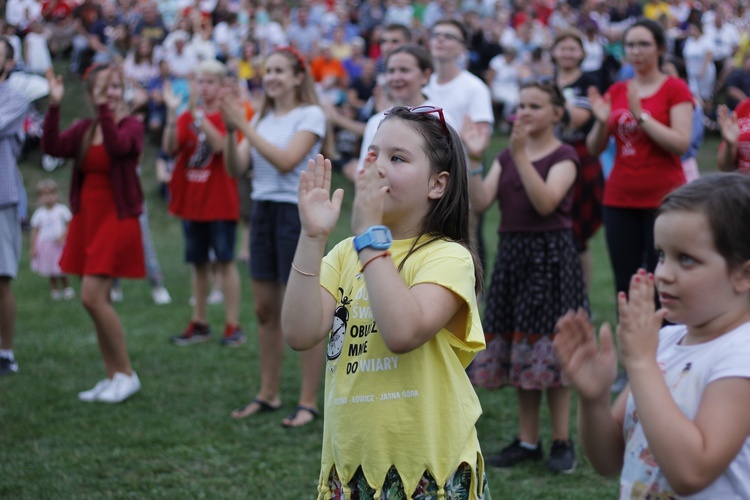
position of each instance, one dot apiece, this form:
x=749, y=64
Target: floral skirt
x=457, y=487
x=536, y=279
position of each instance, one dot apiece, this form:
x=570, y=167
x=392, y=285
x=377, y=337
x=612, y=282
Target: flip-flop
x=312, y=411
x=263, y=407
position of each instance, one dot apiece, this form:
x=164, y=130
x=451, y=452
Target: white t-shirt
x=268, y=183
x=464, y=95
x=374, y=122
x=688, y=370
x=51, y=222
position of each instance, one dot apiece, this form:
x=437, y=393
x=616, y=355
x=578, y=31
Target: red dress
x=98, y=242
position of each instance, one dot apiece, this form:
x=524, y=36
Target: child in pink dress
x=49, y=226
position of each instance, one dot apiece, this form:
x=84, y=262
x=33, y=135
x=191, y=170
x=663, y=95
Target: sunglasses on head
x=427, y=110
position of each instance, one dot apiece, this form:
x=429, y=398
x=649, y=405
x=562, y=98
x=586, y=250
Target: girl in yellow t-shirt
x=397, y=304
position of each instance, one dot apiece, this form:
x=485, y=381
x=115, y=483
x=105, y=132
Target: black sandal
x=263, y=407
x=312, y=411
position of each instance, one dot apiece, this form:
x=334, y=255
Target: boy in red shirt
x=204, y=196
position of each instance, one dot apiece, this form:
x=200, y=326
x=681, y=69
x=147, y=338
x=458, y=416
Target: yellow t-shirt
x=416, y=411
x=654, y=11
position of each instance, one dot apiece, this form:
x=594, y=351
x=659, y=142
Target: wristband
x=477, y=171
x=384, y=254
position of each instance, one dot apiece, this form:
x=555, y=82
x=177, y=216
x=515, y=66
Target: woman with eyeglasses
x=568, y=54
x=408, y=70
x=651, y=118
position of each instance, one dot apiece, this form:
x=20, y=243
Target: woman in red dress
x=104, y=239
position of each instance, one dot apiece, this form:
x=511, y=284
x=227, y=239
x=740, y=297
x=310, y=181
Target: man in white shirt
x=461, y=94
x=726, y=39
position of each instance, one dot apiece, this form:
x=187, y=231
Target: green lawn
x=175, y=438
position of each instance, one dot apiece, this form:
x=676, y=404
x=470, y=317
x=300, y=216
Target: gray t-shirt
x=268, y=183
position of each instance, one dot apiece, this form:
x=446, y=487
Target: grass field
x=175, y=438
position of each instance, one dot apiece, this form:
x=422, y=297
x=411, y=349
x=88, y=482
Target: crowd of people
x=254, y=105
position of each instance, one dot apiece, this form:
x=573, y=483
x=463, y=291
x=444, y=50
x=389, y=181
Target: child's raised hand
x=474, y=140
x=601, y=107
x=171, y=100
x=592, y=369
x=730, y=129
x=367, y=210
x=518, y=137
x=638, y=332
x=318, y=210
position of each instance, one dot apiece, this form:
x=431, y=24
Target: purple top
x=517, y=212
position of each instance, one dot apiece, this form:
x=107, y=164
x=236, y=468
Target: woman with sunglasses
x=288, y=129
x=568, y=55
x=408, y=70
x=651, y=117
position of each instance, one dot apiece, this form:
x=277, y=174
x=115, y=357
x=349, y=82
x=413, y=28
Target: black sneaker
x=562, y=457
x=193, y=334
x=514, y=454
x=233, y=336
x=8, y=366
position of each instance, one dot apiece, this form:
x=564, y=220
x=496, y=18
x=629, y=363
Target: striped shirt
x=13, y=108
x=268, y=183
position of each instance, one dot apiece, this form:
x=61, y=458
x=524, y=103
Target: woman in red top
x=104, y=240
x=651, y=119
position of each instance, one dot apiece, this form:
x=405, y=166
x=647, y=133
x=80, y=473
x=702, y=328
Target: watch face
x=380, y=236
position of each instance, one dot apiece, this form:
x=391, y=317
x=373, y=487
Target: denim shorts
x=10, y=241
x=201, y=237
x=274, y=231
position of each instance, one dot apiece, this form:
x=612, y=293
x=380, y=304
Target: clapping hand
x=232, y=111
x=475, y=141
x=730, y=129
x=56, y=87
x=518, y=138
x=638, y=333
x=601, y=106
x=318, y=210
x=171, y=100
x=369, y=196
x=590, y=367
x=634, y=100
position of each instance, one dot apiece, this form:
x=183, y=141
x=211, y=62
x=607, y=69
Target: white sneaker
x=120, y=388
x=91, y=394
x=56, y=294
x=215, y=297
x=115, y=295
x=161, y=295
x=68, y=293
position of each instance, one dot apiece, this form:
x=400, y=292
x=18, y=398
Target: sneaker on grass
x=120, y=388
x=233, y=336
x=160, y=295
x=8, y=366
x=91, y=394
x=514, y=454
x=562, y=457
x=195, y=333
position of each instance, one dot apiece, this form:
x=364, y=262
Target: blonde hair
x=212, y=67
x=46, y=185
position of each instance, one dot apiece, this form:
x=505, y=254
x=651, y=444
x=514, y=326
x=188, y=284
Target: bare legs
x=109, y=333
x=268, y=297
x=529, y=403
x=7, y=314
